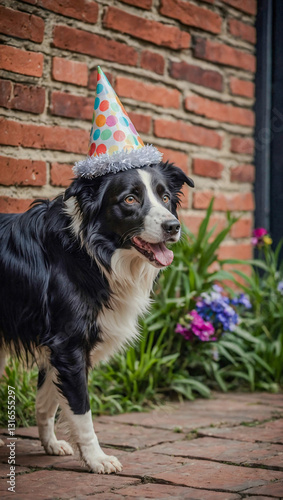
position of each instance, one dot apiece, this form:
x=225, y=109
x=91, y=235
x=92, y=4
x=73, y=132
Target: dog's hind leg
x=46, y=407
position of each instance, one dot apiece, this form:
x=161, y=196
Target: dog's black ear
x=176, y=177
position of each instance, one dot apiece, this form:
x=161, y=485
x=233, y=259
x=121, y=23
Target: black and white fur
x=76, y=273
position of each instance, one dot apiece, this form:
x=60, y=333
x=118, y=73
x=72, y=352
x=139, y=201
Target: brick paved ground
x=227, y=448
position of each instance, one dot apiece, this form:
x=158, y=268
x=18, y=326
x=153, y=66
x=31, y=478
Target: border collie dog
x=76, y=273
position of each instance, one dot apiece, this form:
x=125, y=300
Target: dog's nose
x=171, y=227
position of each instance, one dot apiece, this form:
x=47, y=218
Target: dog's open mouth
x=157, y=253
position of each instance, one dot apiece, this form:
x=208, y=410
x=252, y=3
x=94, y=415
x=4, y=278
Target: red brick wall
x=183, y=69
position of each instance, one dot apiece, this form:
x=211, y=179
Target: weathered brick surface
x=88, y=43
x=61, y=174
x=207, y=168
x=219, y=111
x=242, y=145
x=22, y=97
x=197, y=75
x=244, y=88
x=21, y=61
x=192, y=15
x=21, y=25
x=155, y=94
x=151, y=31
x=69, y=71
x=152, y=61
x=242, y=30
x=181, y=131
x=248, y=6
x=13, y=205
x=22, y=172
x=224, y=54
x=184, y=69
x=243, y=173
x=71, y=106
x=84, y=10
x=223, y=202
x=13, y=133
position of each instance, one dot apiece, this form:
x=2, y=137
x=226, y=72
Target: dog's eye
x=165, y=198
x=130, y=200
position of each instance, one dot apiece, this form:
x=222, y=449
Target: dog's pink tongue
x=161, y=253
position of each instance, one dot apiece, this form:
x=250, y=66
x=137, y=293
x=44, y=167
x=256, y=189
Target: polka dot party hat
x=114, y=142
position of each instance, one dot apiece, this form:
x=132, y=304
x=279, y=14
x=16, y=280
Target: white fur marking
x=131, y=280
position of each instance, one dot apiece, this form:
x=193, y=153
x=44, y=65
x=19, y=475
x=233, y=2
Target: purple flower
x=280, y=287
x=197, y=328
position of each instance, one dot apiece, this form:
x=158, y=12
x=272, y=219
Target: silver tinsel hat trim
x=94, y=166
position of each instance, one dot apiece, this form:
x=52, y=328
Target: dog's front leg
x=72, y=384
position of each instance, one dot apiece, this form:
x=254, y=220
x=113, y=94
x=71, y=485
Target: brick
x=244, y=88
x=223, y=54
x=74, y=72
x=55, y=138
x=141, y=122
x=195, y=74
x=179, y=159
x=21, y=61
x=162, y=491
x=22, y=97
x=219, y=111
x=242, y=228
x=152, y=61
x=146, y=92
x=267, y=432
x=150, y=31
x=22, y=172
x=207, y=168
x=92, y=81
x=242, y=145
x=142, y=4
x=84, y=42
x=248, y=6
x=84, y=10
x=222, y=202
x=182, y=131
x=242, y=30
x=243, y=173
x=5, y=93
x=13, y=205
x=193, y=222
x=192, y=15
x=61, y=174
x=71, y=106
x=239, y=251
x=21, y=25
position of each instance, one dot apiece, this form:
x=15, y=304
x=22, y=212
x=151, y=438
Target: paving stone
x=272, y=489
x=144, y=463
x=216, y=476
x=225, y=450
x=262, y=398
x=197, y=414
x=271, y=432
x=165, y=491
x=63, y=484
x=5, y=469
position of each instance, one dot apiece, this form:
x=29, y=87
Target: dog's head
x=136, y=209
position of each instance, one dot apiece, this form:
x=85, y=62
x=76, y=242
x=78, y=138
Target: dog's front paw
x=58, y=448
x=105, y=464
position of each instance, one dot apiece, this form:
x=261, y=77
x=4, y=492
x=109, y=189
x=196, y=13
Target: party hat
x=114, y=144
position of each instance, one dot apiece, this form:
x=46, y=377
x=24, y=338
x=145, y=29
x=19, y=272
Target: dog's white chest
x=130, y=282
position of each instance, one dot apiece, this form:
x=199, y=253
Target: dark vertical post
x=276, y=172
x=263, y=112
